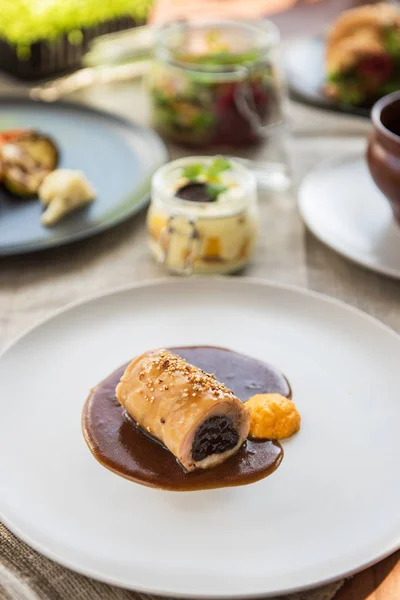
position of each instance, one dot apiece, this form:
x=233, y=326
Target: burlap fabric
x=26, y=575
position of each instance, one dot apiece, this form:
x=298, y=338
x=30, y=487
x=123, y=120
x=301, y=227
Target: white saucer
x=341, y=205
x=330, y=509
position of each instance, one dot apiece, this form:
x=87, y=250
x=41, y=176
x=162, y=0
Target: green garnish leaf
x=203, y=121
x=210, y=175
x=192, y=172
x=333, y=78
x=220, y=58
x=160, y=98
x=391, y=86
x=218, y=165
x=351, y=96
x=392, y=41
x=215, y=189
x=349, y=90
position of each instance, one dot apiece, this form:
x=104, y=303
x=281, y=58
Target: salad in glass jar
x=215, y=84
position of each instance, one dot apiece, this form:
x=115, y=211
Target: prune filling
x=214, y=436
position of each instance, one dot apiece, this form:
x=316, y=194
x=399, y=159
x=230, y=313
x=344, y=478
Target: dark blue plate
x=117, y=156
x=305, y=72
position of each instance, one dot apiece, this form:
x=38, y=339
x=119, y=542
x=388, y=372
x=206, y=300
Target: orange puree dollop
x=272, y=416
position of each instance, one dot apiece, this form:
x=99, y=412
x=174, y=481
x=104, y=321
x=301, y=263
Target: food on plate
x=272, y=416
x=215, y=85
x=63, y=191
x=203, y=215
x=26, y=159
x=195, y=416
x=28, y=167
x=191, y=435
x=11, y=134
x=363, y=54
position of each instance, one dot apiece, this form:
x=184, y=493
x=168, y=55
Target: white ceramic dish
x=329, y=510
x=341, y=205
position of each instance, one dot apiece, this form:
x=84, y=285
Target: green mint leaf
x=215, y=189
x=217, y=166
x=192, y=172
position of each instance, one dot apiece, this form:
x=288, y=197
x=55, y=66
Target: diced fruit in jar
x=156, y=224
x=212, y=248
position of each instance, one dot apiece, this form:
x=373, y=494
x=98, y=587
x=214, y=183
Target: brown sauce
x=121, y=446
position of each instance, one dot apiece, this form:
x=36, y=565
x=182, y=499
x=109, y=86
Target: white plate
x=331, y=508
x=342, y=206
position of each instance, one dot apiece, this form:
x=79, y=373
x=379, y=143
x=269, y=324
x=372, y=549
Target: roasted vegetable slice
x=26, y=162
x=11, y=134
x=23, y=183
x=6, y=136
x=40, y=148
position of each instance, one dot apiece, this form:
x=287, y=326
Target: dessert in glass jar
x=216, y=84
x=203, y=215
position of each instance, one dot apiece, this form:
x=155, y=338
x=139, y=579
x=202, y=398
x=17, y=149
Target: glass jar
x=216, y=84
x=192, y=236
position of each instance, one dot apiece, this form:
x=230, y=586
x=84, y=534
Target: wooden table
x=381, y=582
x=33, y=286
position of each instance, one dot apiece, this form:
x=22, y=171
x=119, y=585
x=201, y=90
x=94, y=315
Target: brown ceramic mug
x=383, y=153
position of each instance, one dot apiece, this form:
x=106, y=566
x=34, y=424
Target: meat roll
x=195, y=416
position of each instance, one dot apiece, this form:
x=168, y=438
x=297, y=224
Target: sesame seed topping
x=177, y=368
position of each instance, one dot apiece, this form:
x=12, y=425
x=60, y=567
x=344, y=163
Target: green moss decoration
x=23, y=22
